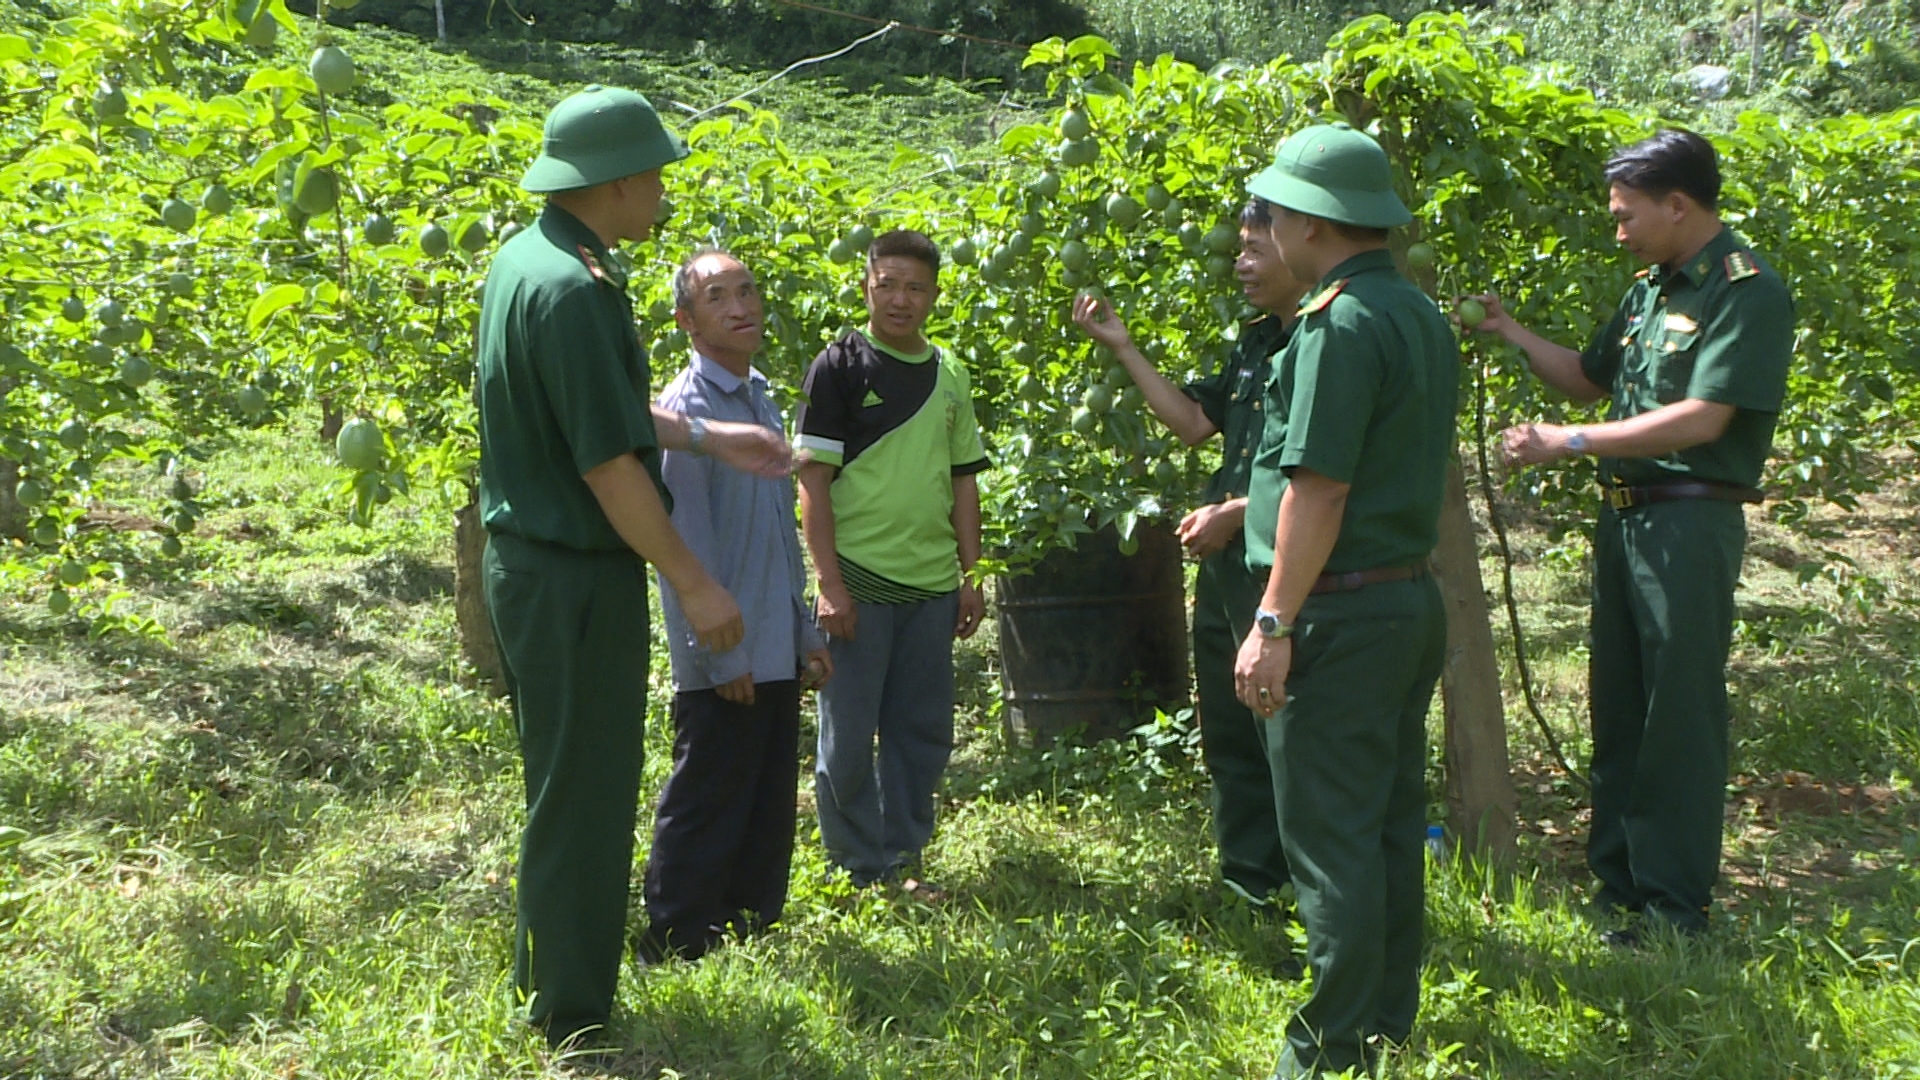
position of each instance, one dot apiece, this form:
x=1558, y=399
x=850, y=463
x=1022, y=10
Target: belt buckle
x=1620, y=498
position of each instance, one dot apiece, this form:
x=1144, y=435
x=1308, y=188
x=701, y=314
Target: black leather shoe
x=1625, y=940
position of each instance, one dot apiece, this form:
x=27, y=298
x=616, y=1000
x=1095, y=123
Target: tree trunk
x=1479, y=791
x=331, y=421
x=477, y=642
x=13, y=516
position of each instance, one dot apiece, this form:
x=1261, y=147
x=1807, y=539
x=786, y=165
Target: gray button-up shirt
x=741, y=528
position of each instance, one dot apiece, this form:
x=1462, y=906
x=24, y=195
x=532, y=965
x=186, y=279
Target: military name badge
x=1323, y=298
x=1681, y=324
x=1740, y=266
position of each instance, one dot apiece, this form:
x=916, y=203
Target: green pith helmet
x=601, y=133
x=1332, y=171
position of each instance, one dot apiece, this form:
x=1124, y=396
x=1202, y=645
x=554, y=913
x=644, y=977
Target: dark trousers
x=1246, y=827
x=723, y=834
x=891, y=695
x=1349, y=766
x=1663, y=580
x=572, y=628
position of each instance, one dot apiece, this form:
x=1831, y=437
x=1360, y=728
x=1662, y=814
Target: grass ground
x=279, y=842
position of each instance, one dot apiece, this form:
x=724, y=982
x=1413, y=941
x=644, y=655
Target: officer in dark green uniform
x=1228, y=402
x=571, y=497
x=1350, y=635
x=1695, y=360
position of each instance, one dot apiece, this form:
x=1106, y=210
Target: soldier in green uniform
x=1695, y=362
x=571, y=497
x=1230, y=402
x=1350, y=634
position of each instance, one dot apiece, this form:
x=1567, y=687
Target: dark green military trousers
x=572, y=628
x=1232, y=740
x=1349, y=753
x=1663, y=580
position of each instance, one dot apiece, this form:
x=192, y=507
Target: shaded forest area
x=1820, y=57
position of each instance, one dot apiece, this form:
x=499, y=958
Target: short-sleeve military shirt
x=1234, y=402
x=561, y=383
x=1719, y=328
x=1365, y=394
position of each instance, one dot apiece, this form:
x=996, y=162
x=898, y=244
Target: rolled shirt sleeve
x=1212, y=394
x=1336, y=381
x=1600, y=363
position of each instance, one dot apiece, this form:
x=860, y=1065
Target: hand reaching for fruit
x=1482, y=313
x=1095, y=316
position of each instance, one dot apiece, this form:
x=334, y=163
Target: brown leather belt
x=1327, y=583
x=1629, y=498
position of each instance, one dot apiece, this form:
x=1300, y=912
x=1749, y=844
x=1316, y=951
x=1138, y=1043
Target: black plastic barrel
x=1093, y=641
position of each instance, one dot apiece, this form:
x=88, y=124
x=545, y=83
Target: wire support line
x=905, y=26
x=793, y=67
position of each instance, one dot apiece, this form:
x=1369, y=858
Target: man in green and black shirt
x=891, y=512
x=1228, y=403
x=1695, y=360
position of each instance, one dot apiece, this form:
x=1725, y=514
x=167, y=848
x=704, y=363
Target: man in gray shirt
x=723, y=834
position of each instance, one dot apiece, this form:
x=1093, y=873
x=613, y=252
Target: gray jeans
x=893, y=681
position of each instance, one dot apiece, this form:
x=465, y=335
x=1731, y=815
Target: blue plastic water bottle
x=1437, y=842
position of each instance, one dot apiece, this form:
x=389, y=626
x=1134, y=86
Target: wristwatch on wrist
x=697, y=434
x=1270, y=626
x=1577, y=441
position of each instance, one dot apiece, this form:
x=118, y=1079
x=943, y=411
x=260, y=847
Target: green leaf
x=1090, y=45
x=1045, y=53
x=272, y=301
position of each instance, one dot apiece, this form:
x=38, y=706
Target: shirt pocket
x=1673, y=364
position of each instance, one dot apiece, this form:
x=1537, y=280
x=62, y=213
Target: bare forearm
x=1680, y=426
x=1309, y=525
x=816, y=523
x=671, y=429
x=632, y=504
x=966, y=520
x=1553, y=363
x=1670, y=428
x=1182, y=415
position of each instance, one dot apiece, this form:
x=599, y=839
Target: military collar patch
x=1319, y=302
x=1740, y=266
x=606, y=275
x=1643, y=272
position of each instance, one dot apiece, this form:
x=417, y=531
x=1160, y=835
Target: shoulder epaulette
x=1323, y=298
x=1740, y=266
x=601, y=272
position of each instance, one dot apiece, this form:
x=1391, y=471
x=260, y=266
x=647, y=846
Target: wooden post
x=1479, y=791
x=13, y=516
x=1480, y=797
x=470, y=600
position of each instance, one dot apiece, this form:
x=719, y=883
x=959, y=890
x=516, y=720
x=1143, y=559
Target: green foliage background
x=1501, y=164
